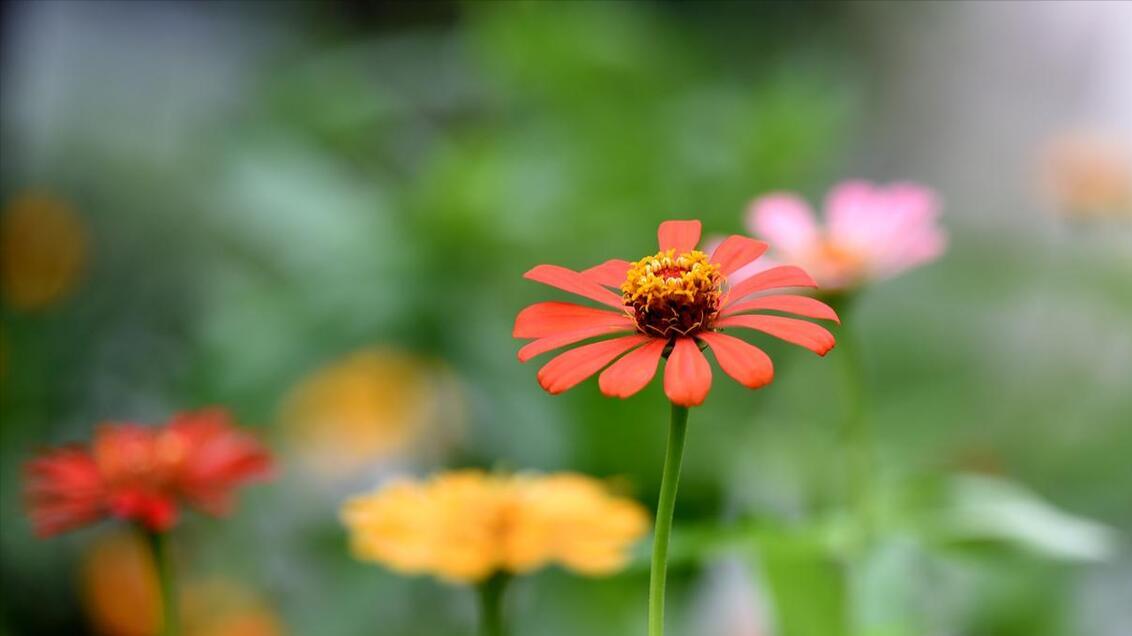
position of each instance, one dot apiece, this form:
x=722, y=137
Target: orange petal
x=798, y=305
x=802, y=333
x=681, y=236
x=745, y=362
x=611, y=273
x=773, y=278
x=736, y=251
x=570, y=368
x=573, y=282
x=550, y=343
x=552, y=318
x=687, y=376
x=632, y=372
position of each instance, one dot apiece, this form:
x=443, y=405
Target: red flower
x=668, y=302
x=144, y=474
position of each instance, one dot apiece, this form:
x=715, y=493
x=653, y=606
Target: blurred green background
x=259, y=191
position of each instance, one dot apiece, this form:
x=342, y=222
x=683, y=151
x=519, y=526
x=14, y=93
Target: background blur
x=318, y=214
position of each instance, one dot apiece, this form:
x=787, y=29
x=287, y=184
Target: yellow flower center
x=673, y=295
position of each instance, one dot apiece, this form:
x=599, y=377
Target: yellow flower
x=467, y=525
x=368, y=406
x=43, y=248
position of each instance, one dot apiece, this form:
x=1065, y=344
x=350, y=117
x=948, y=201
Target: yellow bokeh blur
x=370, y=405
x=43, y=249
x=467, y=525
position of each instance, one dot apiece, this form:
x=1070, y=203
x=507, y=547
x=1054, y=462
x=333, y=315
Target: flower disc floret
x=672, y=294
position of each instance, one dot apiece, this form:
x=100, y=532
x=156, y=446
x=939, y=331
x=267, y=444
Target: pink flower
x=872, y=232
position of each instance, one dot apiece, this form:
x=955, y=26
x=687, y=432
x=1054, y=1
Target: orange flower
x=119, y=589
x=143, y=474
x=668, y=302
x=468, y=525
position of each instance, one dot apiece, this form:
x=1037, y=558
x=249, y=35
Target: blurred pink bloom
x=871, y=232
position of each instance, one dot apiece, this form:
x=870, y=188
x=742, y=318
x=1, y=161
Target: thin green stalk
x=856, y=438
x=170, y=620
x=491, y=594
x=670, y=479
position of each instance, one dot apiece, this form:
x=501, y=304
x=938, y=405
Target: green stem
x=159, y=544
x=856, y=438
x=670, y=479
x=491, y=594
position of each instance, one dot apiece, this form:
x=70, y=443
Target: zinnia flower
x=669, y=303
x=120, y=593
x=144, y=474
x=467, y=526
x=872, y=232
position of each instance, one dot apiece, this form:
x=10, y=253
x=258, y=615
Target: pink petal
x=736, y=252
x=850, y=211
x=893, y=227
x=687, y=376
x=802, y=333
x=745, y=362
x=633, y=371
x=550, y=343
x=573, y=282
x=611, y=273
x=550, y=318
x=798, y=305
x=785, y=221
x=575, y=365
x=773, y=278
x=681, y=236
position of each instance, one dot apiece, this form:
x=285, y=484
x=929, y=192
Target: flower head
x=669, y=304
x=121, y=595
x=467, y=525
x=872, y=232
x=144, y=474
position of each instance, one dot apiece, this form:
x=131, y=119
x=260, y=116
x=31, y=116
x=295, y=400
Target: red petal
x=681, y=236
x=611, y=273
x=63, y=490
x=799, y=305
x=575, y=283
x=687, y=376
x=773, y=278
x=632, y=372
x=736, y=251
x=552, y=318
x=570, y=368
x=745, y=362
x=219, y=457
x=806, y=334
x=550, y=343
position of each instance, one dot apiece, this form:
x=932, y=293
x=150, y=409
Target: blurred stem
x=674, y=456
x=159, y=544
x=491, y=594
x=856, y=438
x=857, y=463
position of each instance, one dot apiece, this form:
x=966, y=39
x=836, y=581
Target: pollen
x=673, y=294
